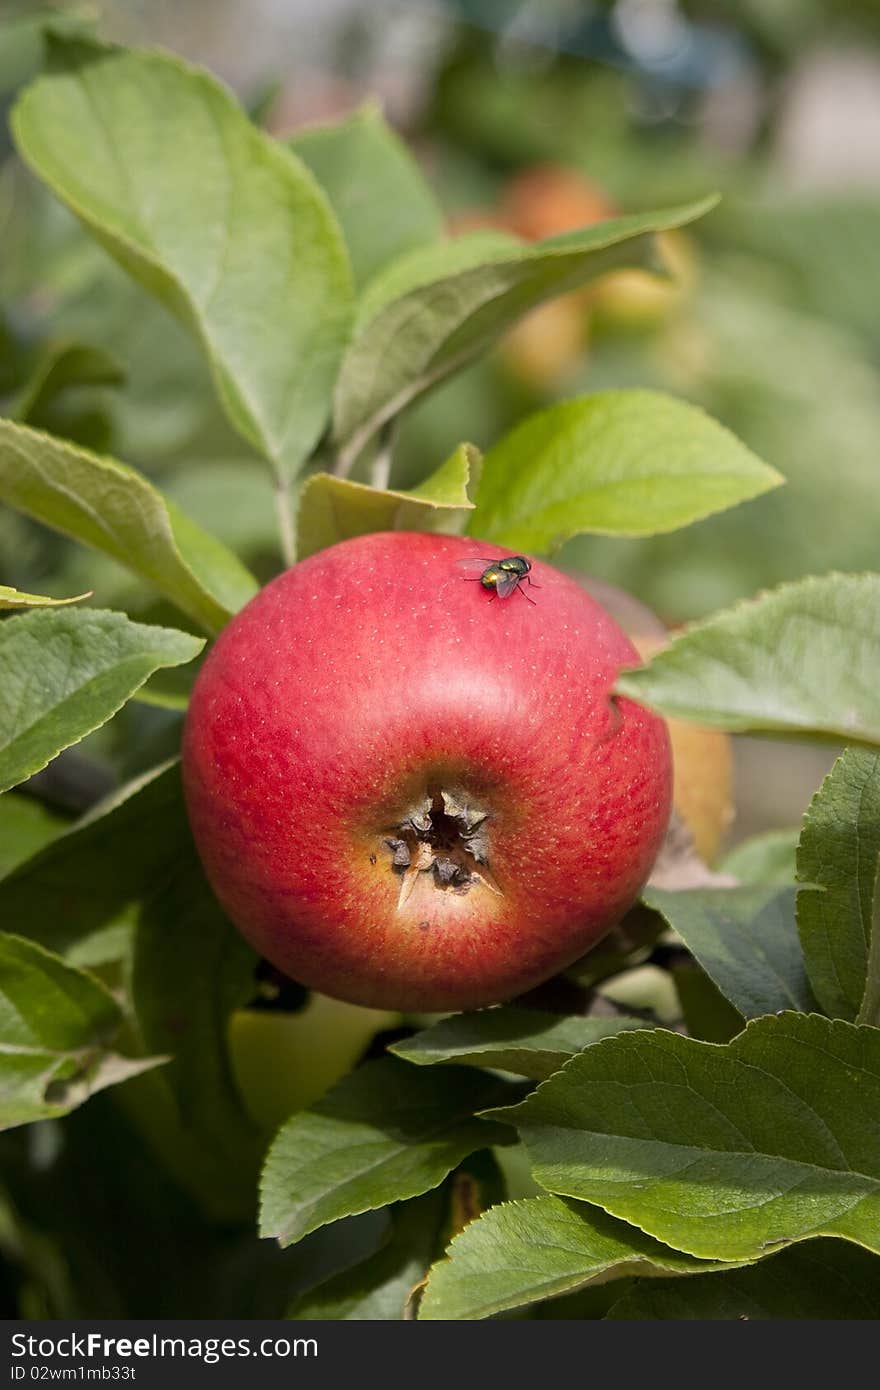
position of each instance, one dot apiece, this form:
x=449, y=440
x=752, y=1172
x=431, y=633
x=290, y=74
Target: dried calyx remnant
x=446, y=836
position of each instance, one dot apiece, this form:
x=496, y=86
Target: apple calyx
x=445, y=835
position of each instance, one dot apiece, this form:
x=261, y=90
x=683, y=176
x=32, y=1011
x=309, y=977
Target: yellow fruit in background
x=637, y=300
x=283, y=1062
x=544, y=347
x=702, y=788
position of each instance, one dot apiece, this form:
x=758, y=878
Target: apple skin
x=372, y=676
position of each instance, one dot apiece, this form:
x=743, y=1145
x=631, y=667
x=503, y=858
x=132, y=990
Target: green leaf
x=432, y=312
x=26, y=825
x=13, y=598
x=113, y=509
x=185, y=1011
x=837, y=860
x=380, y=1287
x=819, y=1279
x=64, y=673
x=625, y=463
x=335, y=509
x=746, y=941
x=234, y=501
x=720, y=1151
x=223, y=224
x=55, y=1026
x=870, y=1011
x=523, y=1252
x=765, y=858
x=800, y=659
x=385, y=1133
x=129, y=869
x=77, y=894
x=528, y=1042
x=707, y=1014
x=433, y=262
x=383, y=204
x=64, y=365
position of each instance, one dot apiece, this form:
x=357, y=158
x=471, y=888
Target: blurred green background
x=536, y=117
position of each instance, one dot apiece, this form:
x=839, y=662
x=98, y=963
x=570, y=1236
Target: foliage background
x=775, y=333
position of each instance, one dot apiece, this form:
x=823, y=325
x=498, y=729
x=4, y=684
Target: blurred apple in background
x=547, y=199
x=639, y=300
x=283, y=1062
x=543, y=201
x=547, y=346
x=702, y=789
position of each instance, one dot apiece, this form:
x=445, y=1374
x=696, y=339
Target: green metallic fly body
x=501, y=577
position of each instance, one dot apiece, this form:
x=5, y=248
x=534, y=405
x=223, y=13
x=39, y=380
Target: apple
x=541, y=201
x=551, y=342
x=702, y=759
x=639, y=301
x=410, y=794
x=283, y=1062
x=546, y=346
x=546, y=199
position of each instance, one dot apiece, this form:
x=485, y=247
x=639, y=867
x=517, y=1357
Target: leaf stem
x=345, y=459
x=380, y=468
x=285, y=522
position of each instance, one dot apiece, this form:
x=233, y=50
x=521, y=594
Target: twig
x=380, y=468
x=345, y=459
x=285, y=522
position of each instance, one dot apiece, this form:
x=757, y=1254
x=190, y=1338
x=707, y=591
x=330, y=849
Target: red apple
x=410, y=794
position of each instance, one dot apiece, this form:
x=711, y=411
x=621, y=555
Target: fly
x=501, y=577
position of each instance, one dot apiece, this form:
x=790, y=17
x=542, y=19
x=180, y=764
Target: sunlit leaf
x=431, y=312
x=65, y=672
x=336, y=509
x=383, y=204
x=722, y=1151
x=837, y=862
x=56, y=1026
x=801, y=659
x=13, y=598
x=113, y=509
x=627, y=463
x=222, y=223
x=385, y=1133
x=523, y=1252
x=528, y=1042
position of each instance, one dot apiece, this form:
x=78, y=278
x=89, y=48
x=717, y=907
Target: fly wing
x=506, y=584
x=473, y=567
